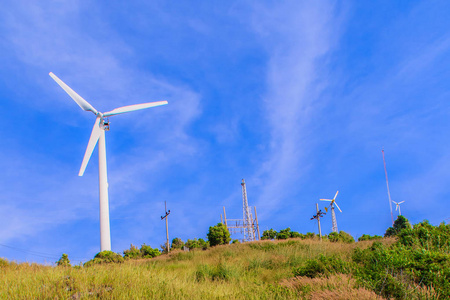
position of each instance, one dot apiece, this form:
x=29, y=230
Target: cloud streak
x=297, y=38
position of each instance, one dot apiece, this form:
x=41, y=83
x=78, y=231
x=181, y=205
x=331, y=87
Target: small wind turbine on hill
x=397, y=206
x=98, y=134
x=333, y=215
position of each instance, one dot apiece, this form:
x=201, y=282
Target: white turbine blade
x=401, y=202
x=125, y=109
x=325, y=199
x=395, y=202
x=337, y=206
x=396, y=207
x=335, y=195
x=77, y=98
x=95, y=134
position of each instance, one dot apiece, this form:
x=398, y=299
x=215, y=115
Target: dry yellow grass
x=259, y=270
x=334, y=287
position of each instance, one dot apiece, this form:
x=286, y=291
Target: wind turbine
x=98, y=134
x=397, y=206
x=333, y=215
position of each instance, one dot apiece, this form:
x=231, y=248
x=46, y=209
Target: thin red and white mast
x=387, y=184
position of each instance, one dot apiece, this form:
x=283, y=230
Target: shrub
x=64, y=261
x=287, y=233
x=132, y=253
x=148, y=252
x=366, y=237
x=104, y=257
x=323, y=265
x=177, y=243
x=269, y=234
x=342, y=236
x=218, y=235
x=399, y=224
x=284, y=234
x=3, y=262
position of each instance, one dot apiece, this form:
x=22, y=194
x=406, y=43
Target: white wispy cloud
x=297, y=38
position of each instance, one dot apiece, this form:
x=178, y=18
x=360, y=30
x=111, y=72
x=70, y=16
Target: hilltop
x=414, y=264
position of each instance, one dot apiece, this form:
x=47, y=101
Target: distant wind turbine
x=397, y=206
x=333, y=215
x=98, y=134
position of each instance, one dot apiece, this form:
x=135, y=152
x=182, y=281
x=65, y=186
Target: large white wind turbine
x=397, y=206
x=333, y=215
x=98, y=134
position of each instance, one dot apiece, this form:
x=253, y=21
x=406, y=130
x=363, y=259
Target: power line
x=40, y=254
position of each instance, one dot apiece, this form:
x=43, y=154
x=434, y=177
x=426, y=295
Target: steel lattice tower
x=333, y=219
x=249, y=234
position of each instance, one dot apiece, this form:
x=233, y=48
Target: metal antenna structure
x=249, y=233
x=317, y=216
x=247, y=226
x=333, y=214
x=166, y=216
x=387, y=184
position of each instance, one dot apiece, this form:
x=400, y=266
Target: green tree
x=105, y=257
x=132, y=253
x=218, y=235
x=269, y=234
x=295, y=234
x=177, y=243
x=309, y=235
x=148, y=252
x=284, y=234
x=399, y=224
x=192, y=244
x=203, y=244
x=346, y=237
x=342, y=236
x=367, y=237
x=64, y=261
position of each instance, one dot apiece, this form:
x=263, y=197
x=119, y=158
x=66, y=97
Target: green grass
x=258, y=270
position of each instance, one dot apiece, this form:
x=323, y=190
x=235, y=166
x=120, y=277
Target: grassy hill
x=415, y=264
x=258, y=270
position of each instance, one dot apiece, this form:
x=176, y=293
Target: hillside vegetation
x=413, y=264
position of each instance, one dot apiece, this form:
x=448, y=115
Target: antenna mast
x=247, y=226
x=387, y=184
x=249, y=233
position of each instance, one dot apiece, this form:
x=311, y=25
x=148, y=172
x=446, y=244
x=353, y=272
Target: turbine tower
x=98, y=134
x=333, y=214
x=397, y=206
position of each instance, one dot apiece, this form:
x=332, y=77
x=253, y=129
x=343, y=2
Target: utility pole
x=225, y=217
x=257, y=225
x=387, y=184
x=317, y=216
x=167, y=226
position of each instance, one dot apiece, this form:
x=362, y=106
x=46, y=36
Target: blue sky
x=297, y=97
